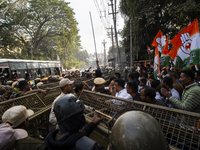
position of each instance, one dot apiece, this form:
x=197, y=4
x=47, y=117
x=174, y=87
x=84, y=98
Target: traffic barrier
x=180, y=128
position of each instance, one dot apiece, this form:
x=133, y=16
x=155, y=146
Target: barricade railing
x=35, y=101
x=39, y=122
x=49, y=85
x=31, y=101
x=181, y=128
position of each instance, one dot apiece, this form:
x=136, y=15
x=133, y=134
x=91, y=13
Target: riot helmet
x=67, y=107
x=137, y=130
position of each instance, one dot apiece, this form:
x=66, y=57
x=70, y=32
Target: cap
x=60, y=78
x=14, y=83
x=7, y=88
x=9, y=136
x=66, y=76
x=39, y=84
x=9, y=82
x=16, y=115
x=21, y=79
x=65, y=81
x=99, y=81
x=44, y=79
x=37, y=79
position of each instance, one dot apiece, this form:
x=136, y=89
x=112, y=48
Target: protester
x=119, y=90
x=132, y=89
x=117, y=75
x=191, y=94
x=148, y=95
x=168, y=85
x=142, y=84
x=177, y=86
x=156, y=85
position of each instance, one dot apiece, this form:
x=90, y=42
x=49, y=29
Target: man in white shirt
x=66, y=87
x=156, y=85
x=120, y=91
x=168, y=84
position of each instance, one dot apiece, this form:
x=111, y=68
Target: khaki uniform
x=29, y=143
x=16, y=90
x=4, y=97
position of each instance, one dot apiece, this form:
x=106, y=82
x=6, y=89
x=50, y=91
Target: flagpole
x=93, y=35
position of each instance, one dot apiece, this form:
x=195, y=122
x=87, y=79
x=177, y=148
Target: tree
x=152, y=15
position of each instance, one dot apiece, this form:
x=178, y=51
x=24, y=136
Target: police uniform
x=4, y=97
x=12, y=116
x=99, y=81
x=29, y=143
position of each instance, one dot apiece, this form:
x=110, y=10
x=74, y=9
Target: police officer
x=137, y=130
x=99, y=85
x=17, y=118
x=69, y=114
x=7, y=93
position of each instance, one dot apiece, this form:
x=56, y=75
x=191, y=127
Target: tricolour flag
x=173, y=53
x=187, y=43
x=178, y=63
x=159, y=41
x=156, y=64
x=164, y=59
x=149, y=50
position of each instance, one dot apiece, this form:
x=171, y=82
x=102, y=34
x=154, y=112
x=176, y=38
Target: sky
x=81, y=9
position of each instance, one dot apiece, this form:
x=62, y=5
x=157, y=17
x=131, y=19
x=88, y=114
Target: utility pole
x=64, y=50
x=115, y=28
x=104, y=45
x=131, y=44
x=110, y=35
x=31, y=49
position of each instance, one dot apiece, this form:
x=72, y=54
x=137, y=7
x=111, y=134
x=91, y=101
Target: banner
x=178, y=62
x=187, y=43
x=164, y=59
x=149, y=50
x=156, y=64
x=173, y=53
x=159, y=41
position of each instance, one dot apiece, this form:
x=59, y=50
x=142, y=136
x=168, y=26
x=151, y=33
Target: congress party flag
x=178, y=63
x=159, y=41
x=149, y=50
x=156, y=64
x=187, y=43
x=164, y=59
x=173, y=53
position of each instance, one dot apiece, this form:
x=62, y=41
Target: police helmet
x=67, y=107
x=137, y=130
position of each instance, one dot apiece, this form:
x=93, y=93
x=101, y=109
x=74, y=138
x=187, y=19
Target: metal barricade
x=181, y=128
x=39, y=122
x=31, y=101
x=49, y=85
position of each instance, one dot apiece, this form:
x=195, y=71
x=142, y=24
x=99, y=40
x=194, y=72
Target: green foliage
x=48, y=25
x=148, y=16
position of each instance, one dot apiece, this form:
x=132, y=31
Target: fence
x=180, y=128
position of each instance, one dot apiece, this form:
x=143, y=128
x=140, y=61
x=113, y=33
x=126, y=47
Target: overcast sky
x=81, y=9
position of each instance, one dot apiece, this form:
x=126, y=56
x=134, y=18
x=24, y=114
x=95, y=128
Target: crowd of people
x=176, y=90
